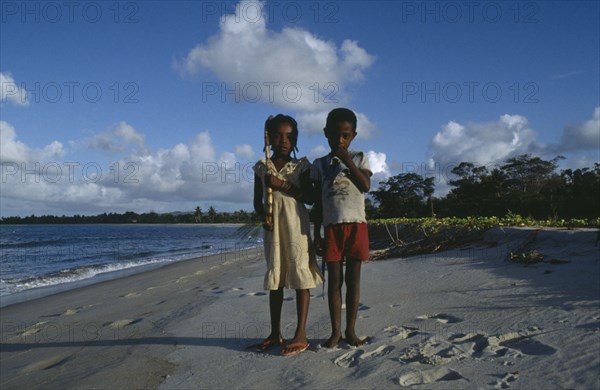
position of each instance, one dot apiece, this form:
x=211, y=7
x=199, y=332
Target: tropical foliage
x=524, y=185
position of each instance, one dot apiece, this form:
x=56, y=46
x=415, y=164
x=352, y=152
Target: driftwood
x=403, y=240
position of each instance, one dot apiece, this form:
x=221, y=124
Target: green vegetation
x=481, y=223
x=524, y=185
x=526, y=258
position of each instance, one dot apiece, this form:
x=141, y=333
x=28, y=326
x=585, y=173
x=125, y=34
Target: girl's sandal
x=269, y=343
x=295, y=348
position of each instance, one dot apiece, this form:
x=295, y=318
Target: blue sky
x=156, y=105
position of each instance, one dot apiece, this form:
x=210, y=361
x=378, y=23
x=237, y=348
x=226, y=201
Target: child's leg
x=352, y=300
x=275, y=304
x=334, y=298
x=302, y=302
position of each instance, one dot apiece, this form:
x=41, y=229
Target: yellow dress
x=290, y=255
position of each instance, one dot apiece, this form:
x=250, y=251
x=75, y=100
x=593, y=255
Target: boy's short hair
x=340, y=115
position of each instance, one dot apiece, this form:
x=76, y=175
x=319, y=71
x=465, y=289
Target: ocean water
x=38, y=256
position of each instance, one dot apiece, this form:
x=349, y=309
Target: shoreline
x=34, y=293
x=462, y=318
x=113, y=318
x=73, y=264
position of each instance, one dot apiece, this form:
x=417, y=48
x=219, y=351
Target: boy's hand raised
x=342, y=154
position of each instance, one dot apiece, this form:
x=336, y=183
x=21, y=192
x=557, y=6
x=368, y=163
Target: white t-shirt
x=342, y=200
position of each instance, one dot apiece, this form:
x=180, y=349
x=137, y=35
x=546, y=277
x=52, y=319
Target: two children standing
x=335, y=184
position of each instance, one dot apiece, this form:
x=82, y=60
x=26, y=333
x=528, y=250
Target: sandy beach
x=464, y=318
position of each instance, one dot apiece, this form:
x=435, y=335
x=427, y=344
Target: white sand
x=460, y=319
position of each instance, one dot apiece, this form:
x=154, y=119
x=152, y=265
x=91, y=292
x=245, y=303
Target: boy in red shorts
x=341, y=178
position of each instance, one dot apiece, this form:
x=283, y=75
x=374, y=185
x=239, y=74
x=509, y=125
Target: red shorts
x=349, y=240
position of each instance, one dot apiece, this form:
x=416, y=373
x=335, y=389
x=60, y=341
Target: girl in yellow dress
x=291, y=259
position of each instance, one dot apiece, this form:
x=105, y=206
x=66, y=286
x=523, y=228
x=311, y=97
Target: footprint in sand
x=473, y=344
x=183, y=279
x=255, y=294
x=33, y=329
x=440, y=317
x=379, y=351
x=432, y=352
x=349, y=359
x=516, y=343
x=424, y=377
x=401, y=332
x=505, y=380
x=47, y=364
x=131, y=295
x=122, y=323
x=528, y=346
x=68, y=312
x=50, y=316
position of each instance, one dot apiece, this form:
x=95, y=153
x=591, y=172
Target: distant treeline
x=211, y=216
x=524, y=185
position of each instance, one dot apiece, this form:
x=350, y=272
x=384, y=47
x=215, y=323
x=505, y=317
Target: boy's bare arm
x=359, y=177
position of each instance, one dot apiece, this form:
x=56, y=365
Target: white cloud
x=379, y=167
x=566, y=75
x=364, y=127
x=316, y=152
x=11, y=150
x=377, y=163
x=583, y=136
x=15, y=151
x=482, y=143
x=244, y=151
x=10, y=91
x=292, y=68
x=311, y=122
x=117, y=138
x=491, y=143
x=179, y=177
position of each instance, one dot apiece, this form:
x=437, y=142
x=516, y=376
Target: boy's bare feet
x=334, y=340
x=354, y=340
